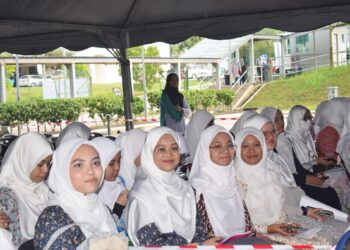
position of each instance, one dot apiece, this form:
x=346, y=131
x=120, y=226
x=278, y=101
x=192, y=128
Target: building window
x=343, y=38
x=288, y=47
x=302, y=43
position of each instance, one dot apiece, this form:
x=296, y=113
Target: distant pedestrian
x=173, y=106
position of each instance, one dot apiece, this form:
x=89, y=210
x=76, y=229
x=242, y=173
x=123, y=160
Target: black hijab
x=176, y=97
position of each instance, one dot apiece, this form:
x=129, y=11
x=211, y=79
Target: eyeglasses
x=273, y=132
x=220, y=148
x=164, y=151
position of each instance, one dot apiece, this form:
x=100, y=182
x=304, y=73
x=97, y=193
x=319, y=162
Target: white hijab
x=21, y=158
x=265, y=194
x=270, y=112
x=222, y=196
x=110, y=190
x=334, y=113
x=86, y=210
x=131, y=144
x=298, y=132
x=275, y=162
x=199, y=121
x=160, y=197
x=240, y=122
x=73, y=130
x=343, y=148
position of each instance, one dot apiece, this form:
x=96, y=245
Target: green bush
x=225, y=96
x=137, y=105
x=154, y=99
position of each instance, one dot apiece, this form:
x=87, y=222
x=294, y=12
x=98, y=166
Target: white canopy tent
x=38, y=26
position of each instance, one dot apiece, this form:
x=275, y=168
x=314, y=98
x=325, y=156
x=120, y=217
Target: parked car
x=200, y=71
x=30, y=80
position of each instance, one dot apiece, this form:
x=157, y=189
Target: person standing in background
x=173, y=106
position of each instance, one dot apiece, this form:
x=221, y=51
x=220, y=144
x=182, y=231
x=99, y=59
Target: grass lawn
x=35, y=93
x=307, y=89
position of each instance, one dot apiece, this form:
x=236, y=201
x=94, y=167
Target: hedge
x=56, y=111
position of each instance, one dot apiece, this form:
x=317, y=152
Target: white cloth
x=298, y=132
x=221, y=193
x=21, y=158
x=86, y=210
x=334, y=113
x=343, y=148
x=160, y=197
x=73, y=130
x=241, y=120
x=110, y=190
x=265, y=196
x=131, y=144
x=199, y=121
x=285, y=150
x=270, y=112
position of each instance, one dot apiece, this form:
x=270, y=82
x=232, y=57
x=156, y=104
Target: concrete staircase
x=244, y=93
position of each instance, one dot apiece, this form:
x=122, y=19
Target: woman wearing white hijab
x=75, y=213
x=23, y=193
x=131, y=144
x=200, y=120
x=258, y=183
x=111, y=193
x=73, y=130
x=213, y=177
x=304, y=178
x=162, y=207
x=275, y=163
x=262, y=190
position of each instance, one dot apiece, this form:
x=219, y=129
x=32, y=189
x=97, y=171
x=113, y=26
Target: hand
x=312, y=213
x=314, y=180
x=178, y=108
x=282, y=229
x=325, y=161
x=123, y=197
x=212, y=241
x=4, y=220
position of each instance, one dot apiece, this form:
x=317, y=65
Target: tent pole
x=127, y=92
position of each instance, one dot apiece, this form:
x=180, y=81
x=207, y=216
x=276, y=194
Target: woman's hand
x=4, y=220
x=313, y=213
x=123, y=197
x=314, y=180
x=284, y=229
x=178, y=108
x=325, y=161
x=212, y=241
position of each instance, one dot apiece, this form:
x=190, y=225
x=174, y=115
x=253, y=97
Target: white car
x=200, y=71
x=30, y=80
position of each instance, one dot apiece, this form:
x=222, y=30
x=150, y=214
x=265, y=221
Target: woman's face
x=113, y=168
x=85, y=170
x=41, y=171
x=222, y=149
x=174, y=81
x=166, y=153
x=279, y=122
x=251, y=150
x=270, y=135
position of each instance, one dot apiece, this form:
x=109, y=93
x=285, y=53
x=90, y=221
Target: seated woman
x=111, y=193
x=293, y=193
x=23, y=193
x=131, y=143
x=305, y=179
x=162, y=208
x=262, y=190
x=218, y=196
x=326, y=146
x=240, y=122
x=75, y=213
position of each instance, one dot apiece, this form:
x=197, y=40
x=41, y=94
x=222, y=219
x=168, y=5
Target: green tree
x=152, y=71
x=179, y=48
